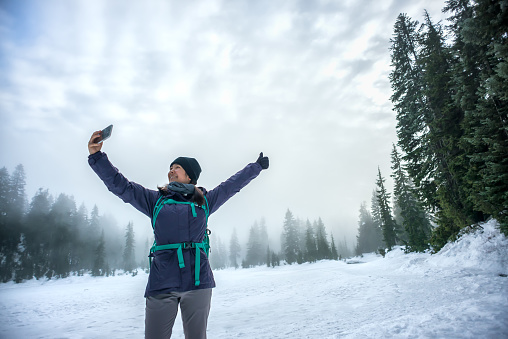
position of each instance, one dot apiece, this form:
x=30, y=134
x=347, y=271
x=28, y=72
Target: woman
x=180, y=273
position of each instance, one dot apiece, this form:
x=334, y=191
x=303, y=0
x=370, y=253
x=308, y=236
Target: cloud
x=304, y=81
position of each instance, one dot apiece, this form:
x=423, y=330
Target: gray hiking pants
x=161, y=311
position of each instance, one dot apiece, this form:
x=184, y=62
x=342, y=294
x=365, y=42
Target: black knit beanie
x=191, y=167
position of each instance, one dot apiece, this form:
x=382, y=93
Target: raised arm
x=130, y=192
x=219, y=195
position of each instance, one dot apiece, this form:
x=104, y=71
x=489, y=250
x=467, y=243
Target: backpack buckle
x=188, y=244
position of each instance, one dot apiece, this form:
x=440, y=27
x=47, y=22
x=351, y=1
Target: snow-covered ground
x=461, y=292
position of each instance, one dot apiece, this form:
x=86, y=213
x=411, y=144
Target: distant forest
x=450, y=164
x=52, y=238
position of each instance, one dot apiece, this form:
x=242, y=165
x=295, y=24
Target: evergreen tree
x=83, y=260
x=255, y=253
x=94, y=223
x=343, y=250
x=376, y=212
x=369, y=238
x=234, y=250
x=100, y=266
x=23, y=266
x=112, y=237
x=12, y=210
x=4, y=194
x=410, y=104
x=455, y=209
x=291, y=240
x=334, y=254
x=16, y=195
x=323, y=248
x=310, y=254
x=8, y=234
x=63, y=238
x=452, y=112
x=427, y=121
x=387, y=223
x=414, y=218
x=129, y=261
x=38, y=232
x=275, y=259
x=480, y=76
x=218, y=259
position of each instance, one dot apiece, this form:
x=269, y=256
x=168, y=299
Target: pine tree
x=94, y=223
x=8, y=234
x=376, y=212
x=410, y=104
x=310, y=254
x=343, y=250
x=414, y=218
x=388, y=224
x=38, y=231
x=275, y=259
x=481, y=72
x=4, y=194
x=218, y=259
x=234, y=250
x=255, y=252
x=100, y=266
x=291, y=240
x=369, y=238
x=62, y=241
x=12, y=211
x=323, y=248
x=129, y=261
x=17, y=197
x=427, y=121
x=82, y=260
x=334, y=254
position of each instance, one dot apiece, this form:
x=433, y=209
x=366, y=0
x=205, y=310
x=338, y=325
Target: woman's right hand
x=93, y=146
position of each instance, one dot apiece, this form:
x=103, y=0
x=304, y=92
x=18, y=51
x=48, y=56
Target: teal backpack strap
x=205, y=244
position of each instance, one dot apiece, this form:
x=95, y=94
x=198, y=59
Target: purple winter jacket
x=174, y=224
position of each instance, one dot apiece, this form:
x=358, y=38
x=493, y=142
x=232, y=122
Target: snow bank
x=459, y=292
x=482, y=247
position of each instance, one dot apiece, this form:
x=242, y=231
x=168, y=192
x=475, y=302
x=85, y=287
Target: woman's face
x=178, y=174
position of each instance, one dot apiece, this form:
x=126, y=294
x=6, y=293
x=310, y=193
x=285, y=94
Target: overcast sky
x=306, y=82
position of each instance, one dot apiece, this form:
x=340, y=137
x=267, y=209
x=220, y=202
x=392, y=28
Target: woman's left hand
x=263, y=161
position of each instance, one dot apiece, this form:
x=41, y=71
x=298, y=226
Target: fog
x=305, y=82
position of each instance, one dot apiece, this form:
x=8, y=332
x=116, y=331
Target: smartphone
x=106, y=133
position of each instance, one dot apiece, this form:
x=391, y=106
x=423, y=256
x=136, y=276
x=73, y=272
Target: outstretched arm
x=219, y=195
x=130, y=192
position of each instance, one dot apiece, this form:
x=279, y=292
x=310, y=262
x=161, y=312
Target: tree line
x=50, y=237
x=300, y=242
x=402, y=220
x=450, y=94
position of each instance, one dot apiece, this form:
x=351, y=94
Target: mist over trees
x=299, y=242
x=449, y=167
x=51, y=238
x=450, y=94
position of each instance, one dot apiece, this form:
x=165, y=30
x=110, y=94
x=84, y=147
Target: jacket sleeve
x=141, y=198
x=220, y=194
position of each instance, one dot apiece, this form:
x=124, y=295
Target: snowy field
x=461, y=292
